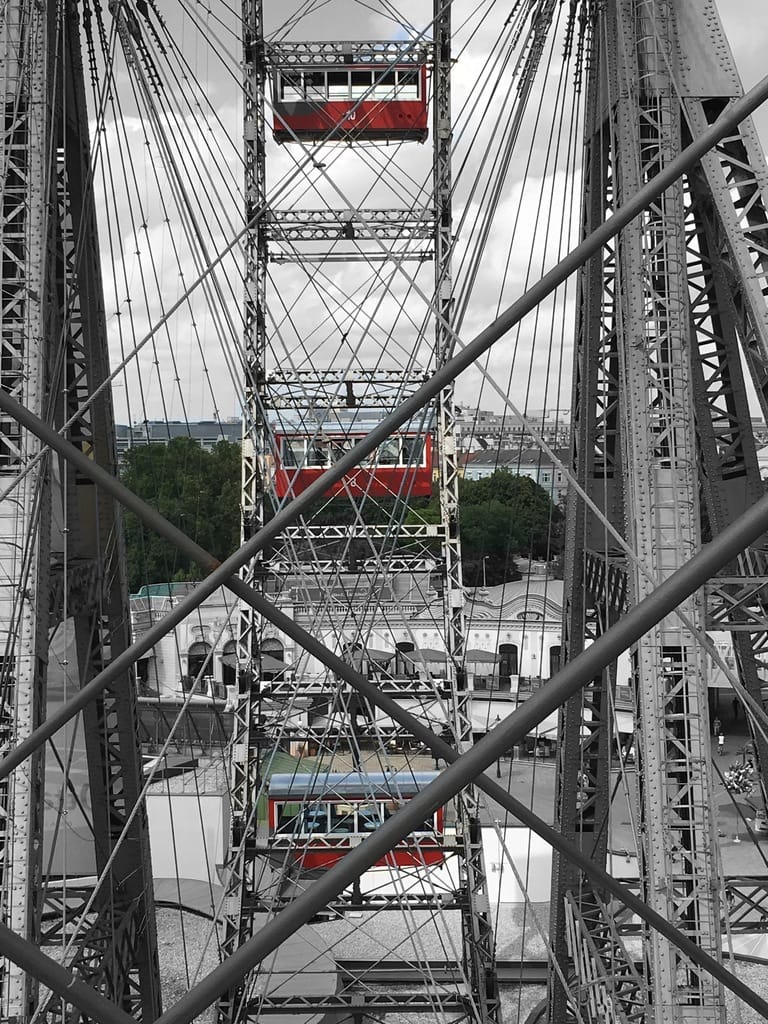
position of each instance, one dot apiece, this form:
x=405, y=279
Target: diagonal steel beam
x=220, y=573
x=521, y=721
x=468, y=766
x=463, y=769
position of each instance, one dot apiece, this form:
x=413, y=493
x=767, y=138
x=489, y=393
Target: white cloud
x=347, y=308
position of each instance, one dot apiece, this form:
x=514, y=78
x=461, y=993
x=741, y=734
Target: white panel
x=188, y=835
x=704, y=60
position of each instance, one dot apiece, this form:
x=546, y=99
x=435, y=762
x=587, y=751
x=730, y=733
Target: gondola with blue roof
x=317, y=817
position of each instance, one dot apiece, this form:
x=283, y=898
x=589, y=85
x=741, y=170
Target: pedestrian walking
x=720, y=743
x=716, y=726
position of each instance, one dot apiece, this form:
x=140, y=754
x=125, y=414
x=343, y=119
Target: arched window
x=197, y=657
x=354, y=655
x=508, y=662
x=403, y=664
x=272, y=658
x=229, y=663
x=555, y=659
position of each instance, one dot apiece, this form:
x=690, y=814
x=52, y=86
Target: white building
x=530, y=462
x=513, y=646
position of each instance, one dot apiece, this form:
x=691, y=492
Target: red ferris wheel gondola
x=402, y=465
x=318, y=817
x=341, y=103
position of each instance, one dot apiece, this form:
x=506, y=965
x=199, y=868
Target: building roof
x=511, y=458
x=528, y=598
x=162, y=431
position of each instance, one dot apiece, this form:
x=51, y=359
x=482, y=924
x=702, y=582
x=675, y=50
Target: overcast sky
x=746, y=26
x=203, y=384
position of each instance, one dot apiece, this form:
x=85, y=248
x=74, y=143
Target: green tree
x=500, y=516
x=197, y=490
x=531, y=524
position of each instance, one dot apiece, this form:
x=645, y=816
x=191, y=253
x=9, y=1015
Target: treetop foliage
x=197, y=490
x=501, y=516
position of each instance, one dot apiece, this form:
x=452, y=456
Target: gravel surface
x=187, y=952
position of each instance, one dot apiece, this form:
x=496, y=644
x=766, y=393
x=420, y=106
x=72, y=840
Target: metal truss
x=745, y=907
x=413, y=543
x=478, y=938
x=377, y=531
x=360, y=225
x=244, y=744
x=330, y=567
x=737, y=184
x=351, y=256
x=410, y=687
x=591, y=571
x=737, y=603
x=676, y=428
x=101, y=623
x=290, y=53
x=349, y=1005
x=727, y=214
x=108, y=942
x=609, y=986
x=318, y=394
x=309, y=388
x=54, y=344
x=372, y=902
x=23, y=371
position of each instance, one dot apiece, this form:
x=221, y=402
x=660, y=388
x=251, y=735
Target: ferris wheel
x=309, y=216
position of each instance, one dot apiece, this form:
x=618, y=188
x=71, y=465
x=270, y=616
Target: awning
x=427, y=654
x=478, y=657
x=625, y=721
x=381, y=656
x=229, y=659
x=270, y=664
x=546, y=729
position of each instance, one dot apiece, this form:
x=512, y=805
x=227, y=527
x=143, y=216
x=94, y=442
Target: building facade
x=530, y=462
x=513, y=648
x=207, y=433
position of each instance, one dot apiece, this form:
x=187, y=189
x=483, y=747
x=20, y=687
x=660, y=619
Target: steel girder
x=63, y=544
x=478, y=938
x=290, y=52
x=24, y=520
x=309, y=388
x=685, y=429
x=582, y=801
x=362, y=225
x=95, y=539
x=245, y=749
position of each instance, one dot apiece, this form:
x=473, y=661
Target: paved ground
x=303, y=964
x=532, y=781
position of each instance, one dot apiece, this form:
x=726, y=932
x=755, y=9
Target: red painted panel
x=313, y=858
x=378, y=481
x=375, y=120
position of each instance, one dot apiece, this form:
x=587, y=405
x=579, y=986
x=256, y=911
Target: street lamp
x=485, y=559
x=497, y=722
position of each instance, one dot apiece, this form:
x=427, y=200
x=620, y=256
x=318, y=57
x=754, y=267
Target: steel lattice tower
x=60, y=541
x=278, y=235
x=663, y=444
x=668, y=317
